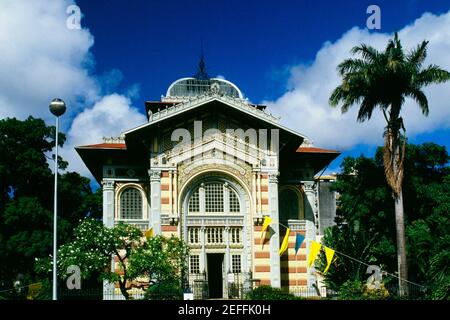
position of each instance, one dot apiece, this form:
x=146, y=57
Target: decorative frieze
x=273, y=177
x=214, y=170
x=155, y=175
x=120, y=139
x=108, y=184
x=209, y=96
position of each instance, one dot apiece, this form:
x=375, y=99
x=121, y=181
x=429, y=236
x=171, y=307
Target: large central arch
x=197, y=229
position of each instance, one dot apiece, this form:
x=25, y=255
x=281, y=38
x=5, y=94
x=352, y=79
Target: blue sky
x=251, y=43
x=282, y=53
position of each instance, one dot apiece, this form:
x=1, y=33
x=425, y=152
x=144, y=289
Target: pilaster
x=155, y=200
x=311, y=203
x=108, y=202
x=108, y=221
x=275, y=276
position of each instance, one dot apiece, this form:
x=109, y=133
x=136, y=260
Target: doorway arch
x=216, y=224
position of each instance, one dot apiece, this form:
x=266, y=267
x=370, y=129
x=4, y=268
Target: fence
x=199, y=287
x=234, y=286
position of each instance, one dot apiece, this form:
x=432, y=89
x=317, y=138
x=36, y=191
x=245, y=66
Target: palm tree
x=384, y=80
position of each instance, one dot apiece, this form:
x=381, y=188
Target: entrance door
x=215, y=275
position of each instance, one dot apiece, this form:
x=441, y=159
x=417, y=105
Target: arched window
x=194, y=202
x=131, y=204
x=214, y=197
x=289, y=205
x=234, y=202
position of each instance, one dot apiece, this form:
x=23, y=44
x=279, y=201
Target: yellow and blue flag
x=298, y=241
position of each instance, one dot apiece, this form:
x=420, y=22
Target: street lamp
x=57, y=107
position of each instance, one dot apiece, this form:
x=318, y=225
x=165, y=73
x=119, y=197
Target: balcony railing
x=141, y=224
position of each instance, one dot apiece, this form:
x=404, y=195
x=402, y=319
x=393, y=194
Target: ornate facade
x=208, y=166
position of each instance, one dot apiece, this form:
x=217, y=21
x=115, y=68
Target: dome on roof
x=191, y=87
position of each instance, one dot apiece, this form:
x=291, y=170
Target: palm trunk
x=393, y=165
x=401, y=245
x=400, y=220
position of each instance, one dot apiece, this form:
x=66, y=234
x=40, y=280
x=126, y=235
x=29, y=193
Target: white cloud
x=40, y=59
x=110, y=116
x=305, y=105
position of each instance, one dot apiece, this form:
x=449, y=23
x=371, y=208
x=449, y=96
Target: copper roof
x=104, y=146
x=315, y=150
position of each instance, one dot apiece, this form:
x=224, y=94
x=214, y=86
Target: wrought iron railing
x=141, y=224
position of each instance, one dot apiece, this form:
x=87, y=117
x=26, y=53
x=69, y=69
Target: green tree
x=159, y=259
x=384, y=80
x=164, y=262
x=365, y=224
x=26, y=197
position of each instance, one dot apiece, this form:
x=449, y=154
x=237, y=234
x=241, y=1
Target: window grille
x=236, y=263
x=194, y=264
x=131, y=204
x=214, y=197
x=214, y=235
x=194, y=235
x=235, y=235
x=234, y=201
x=194, y=202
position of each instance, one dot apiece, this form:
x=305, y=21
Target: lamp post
x=57, y=107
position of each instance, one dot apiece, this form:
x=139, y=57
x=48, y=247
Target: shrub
x=167, y=290
x=269, y=293
x=351, y=290
x=356, y=290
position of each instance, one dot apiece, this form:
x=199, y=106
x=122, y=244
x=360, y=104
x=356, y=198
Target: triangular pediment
x=219, y=146
x=237, y=104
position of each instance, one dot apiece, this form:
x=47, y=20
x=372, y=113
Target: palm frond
x=384, y=79
x=368, y=53
x=365, y=110
x=352, y=65
x=394, y=50
x=432, y=74
x=393, y=63
x=336, y=96
x=420, y=97
x=397, y=42
x=418, y=55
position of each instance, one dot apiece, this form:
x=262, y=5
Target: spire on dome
x=201, y=73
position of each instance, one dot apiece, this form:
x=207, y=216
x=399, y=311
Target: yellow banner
x=285, y=243
x=329, y=253
x=266, y=223
x=33, y=290
x=314, y=250
x=149, y=233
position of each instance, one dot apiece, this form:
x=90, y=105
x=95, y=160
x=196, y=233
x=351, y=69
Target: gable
x=215, y=111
